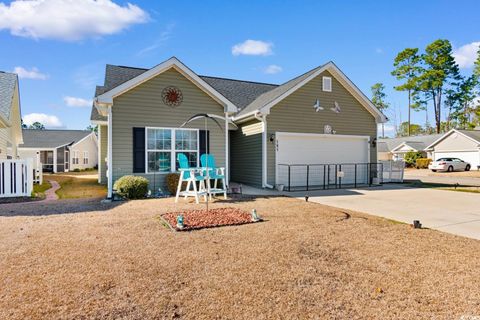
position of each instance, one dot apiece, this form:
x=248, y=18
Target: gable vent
x=327, y=84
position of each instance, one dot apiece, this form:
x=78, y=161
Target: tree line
x=432, y=79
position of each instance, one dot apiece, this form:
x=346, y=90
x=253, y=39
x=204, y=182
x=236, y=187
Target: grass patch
x=39, y=189
x=74, y=188
x=448, y=187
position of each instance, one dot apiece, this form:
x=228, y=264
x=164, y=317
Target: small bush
x=422, y=163
x=172, y=182
x=76, y=170
x=132, y=187
x=411, y=158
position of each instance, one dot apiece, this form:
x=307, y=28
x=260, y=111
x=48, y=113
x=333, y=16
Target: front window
x=163, y=145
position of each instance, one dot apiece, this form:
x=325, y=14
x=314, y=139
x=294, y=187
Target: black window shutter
x=138, y=150
x=204, y=146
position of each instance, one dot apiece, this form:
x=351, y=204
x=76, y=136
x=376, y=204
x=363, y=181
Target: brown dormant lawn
x=305, y=261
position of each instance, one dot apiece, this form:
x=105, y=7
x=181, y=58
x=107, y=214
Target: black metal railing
x=298, y=177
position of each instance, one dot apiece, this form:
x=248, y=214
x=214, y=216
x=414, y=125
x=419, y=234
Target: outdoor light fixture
x=417, y=224
x=272, y=137
x=374, y=142
x=180, y=223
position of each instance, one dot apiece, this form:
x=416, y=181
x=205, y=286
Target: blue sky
x=62, y=48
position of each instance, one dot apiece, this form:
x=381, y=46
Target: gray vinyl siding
x=143, y=107
x=103, y=141
x=296, y=114
x=246, y=153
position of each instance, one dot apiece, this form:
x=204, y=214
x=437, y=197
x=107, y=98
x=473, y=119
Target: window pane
x=159, y=161
x=159, y=139
x=192, y=159
x=186, y=140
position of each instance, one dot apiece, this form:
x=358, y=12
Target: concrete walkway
x=50, y=194
x=448, y=211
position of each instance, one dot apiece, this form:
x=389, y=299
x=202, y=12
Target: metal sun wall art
x=172, y=96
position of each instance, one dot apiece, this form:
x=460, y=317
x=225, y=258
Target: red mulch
x=199, y=219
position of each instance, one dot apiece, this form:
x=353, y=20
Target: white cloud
x=68, y=19
x=253, y=48
x=33, y=73
x=47, y=120
x=77, y=102
x=272, y=69
x=466, y=55
x=379, y=50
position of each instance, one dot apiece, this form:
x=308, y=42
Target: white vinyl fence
x=393, y=171
x=16, y=178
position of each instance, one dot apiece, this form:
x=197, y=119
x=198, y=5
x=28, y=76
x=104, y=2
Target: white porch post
x=99, y=143
x=55, y=160
x=109, y=154
x=227, y=158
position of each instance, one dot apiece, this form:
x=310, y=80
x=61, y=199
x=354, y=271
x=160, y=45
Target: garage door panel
x=316, y=151
x=321, y=150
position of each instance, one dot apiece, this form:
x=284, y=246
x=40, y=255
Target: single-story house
x=396, y=148
x=462, y=144
x=10, y=116
x=60, y=150
x=317, y=117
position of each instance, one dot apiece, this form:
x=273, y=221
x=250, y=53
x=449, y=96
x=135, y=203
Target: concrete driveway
x=448, y=211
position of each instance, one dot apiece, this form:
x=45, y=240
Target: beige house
x=10, y=116
x=60, y=150
x=461, y=144
x=396, y=148
x=318, y=117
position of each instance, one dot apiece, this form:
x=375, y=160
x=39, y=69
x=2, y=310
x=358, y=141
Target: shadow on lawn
x=55, y=207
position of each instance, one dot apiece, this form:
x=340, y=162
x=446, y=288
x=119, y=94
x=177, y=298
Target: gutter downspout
x=263, y=119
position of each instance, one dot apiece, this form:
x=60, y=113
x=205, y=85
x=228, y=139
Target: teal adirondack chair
x=214, y=173
x=191, y=177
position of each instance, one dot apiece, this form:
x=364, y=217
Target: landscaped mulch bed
x=199, y=219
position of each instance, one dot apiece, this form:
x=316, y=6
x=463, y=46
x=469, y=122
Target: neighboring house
x=462, y=144
x=60, y=150
x=139, y=113
x=396, y=148
x=10, y=116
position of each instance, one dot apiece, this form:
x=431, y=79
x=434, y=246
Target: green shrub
x=172, y=182
x=76, y=170
x=131, y=187
x=411, y=158
x=422, y=163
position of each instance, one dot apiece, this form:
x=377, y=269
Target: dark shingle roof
x=51, y=138
x=239, y=92
x=8, y=82
x=417, y=142
x=474, y=134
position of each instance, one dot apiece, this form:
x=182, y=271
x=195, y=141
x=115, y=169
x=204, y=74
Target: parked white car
x=449, y=164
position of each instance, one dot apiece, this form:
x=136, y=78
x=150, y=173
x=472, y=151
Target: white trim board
x=106, y=98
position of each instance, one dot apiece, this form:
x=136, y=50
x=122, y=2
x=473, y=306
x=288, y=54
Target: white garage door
x=472, y=157
x=315, y=149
